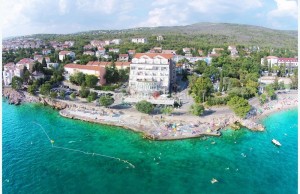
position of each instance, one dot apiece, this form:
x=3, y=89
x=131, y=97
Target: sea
x=46, y=153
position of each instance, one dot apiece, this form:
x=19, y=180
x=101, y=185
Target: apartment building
x=151, y=72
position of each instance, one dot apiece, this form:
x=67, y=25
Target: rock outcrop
x=13, y=96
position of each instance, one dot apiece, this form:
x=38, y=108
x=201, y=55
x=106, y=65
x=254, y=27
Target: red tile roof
x=272, y=57
x=64, y=52
x=104, y=64
x=85, y=67
x=25, y=60
x=123, y=55
x=153, y=55
x=287, y=60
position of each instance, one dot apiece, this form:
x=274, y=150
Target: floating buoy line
x=81, y=151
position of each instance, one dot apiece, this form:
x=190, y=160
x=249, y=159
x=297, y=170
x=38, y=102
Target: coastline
x=161, y=127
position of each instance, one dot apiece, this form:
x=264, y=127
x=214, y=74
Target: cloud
x=166, y=16
x=213, y=7
x=100, y=6
x=21, y=17
x=63, y=7
x=285, y=8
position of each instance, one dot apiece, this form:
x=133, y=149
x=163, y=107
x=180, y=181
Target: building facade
x=63, y=54
x=139, y=40
x=273, y=60
x=151, y=72
x=98, y=71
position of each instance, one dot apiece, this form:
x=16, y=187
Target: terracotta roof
x=287, y=60
x=168, y=52
x=64, y=52
x=84, y=67
x=272, y=57
x=153, y=55
x=123, y=55
x=104, y=64
x=9, y=64
x=26, y=60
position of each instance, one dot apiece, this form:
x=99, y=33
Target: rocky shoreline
x=152, y=127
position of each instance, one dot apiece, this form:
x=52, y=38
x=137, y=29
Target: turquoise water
x=242, y=161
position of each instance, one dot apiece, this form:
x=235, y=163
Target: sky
x=25, y=17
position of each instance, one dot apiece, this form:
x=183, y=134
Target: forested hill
x=200, y=33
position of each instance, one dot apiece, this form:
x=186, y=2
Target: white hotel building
x=151, y=72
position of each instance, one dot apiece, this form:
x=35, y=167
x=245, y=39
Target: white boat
x=214, y=181
x=276, y=142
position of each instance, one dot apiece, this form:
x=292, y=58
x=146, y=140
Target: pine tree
x=221, y=82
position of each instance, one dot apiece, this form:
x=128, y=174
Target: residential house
x=200, y=52
x=96, y=70
x=119, y=65
x=50, y=65
x=123, y=57
x=63, y=54
x=114, y=50
x=116, y=41
x=10, y=70
x=186, y=50
x=69, y=43
x=151, y=72
x=97, y=43
x=88, y=47
x=26, y=62
x=131, y=53
x=46, y=51
x=233, y=51
x=169, y=52
x=157, y=49
x=107, y=42
x=159, y=38
x=91, y=53
x=273, y=60
x=36, y=57
x=139, y=40
x=37, y=75
x=216, y=51
x=100, y=52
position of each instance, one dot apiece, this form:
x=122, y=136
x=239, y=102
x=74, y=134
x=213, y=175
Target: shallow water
x=242, y=161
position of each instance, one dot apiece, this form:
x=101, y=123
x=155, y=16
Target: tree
x=16, y=82
x=144, y=107
x=62, y=94
x=37, y=67
x=221, y=82
x=167, y=110
x=92, y=96
x=112, y=74
x=45, y=89
x=294, y=84
x=106, y=101
x=239, y=105
x=26, y=75
x=84, y=92
x=276, y=84
x=91, y=81
x=200, y=67
x=270, y=91
x=281, y=85
x=31, y=89
x=201, y=88
x=78, y=78
x=73, y=95
x=53, y=94
x=197, y=109
x=44, y=64
x=263, y=99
